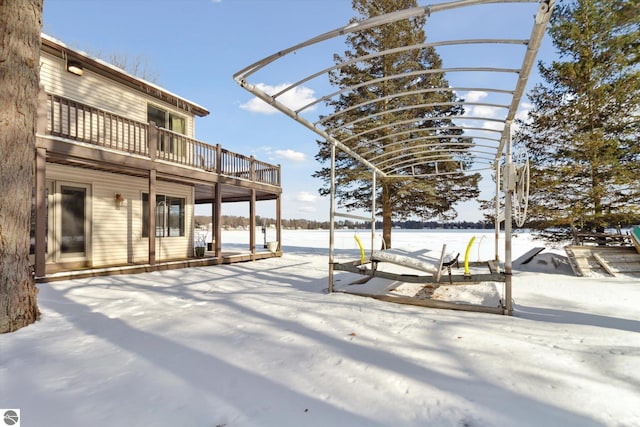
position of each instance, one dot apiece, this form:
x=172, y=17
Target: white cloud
x=523, y=111
x=294, y=98
x=492, y=125
x=475, y=95
x=305, y=196
x=289, y=154
x=485, y=111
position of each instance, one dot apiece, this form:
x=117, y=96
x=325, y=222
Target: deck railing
x=79, y=122
x=73, y=120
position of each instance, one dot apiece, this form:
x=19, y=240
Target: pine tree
x=582, y=133
x=20, y=25
x=403, y=196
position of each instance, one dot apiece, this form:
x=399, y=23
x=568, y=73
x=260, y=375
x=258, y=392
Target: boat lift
x=490, y=124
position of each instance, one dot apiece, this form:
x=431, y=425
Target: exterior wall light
x=119, y=200
x=75, y=68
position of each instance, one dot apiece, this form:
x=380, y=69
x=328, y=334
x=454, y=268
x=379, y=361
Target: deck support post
x=252, y=225
x=152, y=217
x=217, y=222
x=153, y=144
x=279, y=220
x=40, y=249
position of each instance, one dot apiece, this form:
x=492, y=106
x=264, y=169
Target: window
x=169, y=216
x=169, y=121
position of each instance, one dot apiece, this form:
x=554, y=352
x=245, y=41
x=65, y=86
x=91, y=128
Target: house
x=118, y=172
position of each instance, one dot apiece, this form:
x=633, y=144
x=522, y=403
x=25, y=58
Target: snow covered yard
x=262, y=344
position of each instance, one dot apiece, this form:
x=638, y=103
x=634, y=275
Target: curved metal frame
x=413, y=92
x=425, y=119
x=388, y=52
x=418, y=148
x=412, y=107
x=412, y=74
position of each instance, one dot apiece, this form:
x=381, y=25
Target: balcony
x=74, y=121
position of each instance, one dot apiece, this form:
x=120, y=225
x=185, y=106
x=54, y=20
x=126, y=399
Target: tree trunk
x=387, y=210
x=20, y=26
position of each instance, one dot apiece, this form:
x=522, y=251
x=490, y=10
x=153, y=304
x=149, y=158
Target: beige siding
x=100, y=92
x=116, y=234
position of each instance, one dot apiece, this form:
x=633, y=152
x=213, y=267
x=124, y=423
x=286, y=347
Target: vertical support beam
x=153, y=144
x=153, y=135
x=218, y=159
x=508, y=309
x=41, y=212
x=373, y=211
x=41, y=112
x=217, y=222
x=218, y=206
x=279, y=221
x=152, y=217
x=40, y=250
x=279, y=177
x=213, y=218
x=252, y=210
x=497, y=209
x=252, y=225
x=332, y=196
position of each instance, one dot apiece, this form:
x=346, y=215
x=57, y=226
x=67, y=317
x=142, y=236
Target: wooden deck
x=207, y=260
x=589, y=261
x=69, y=120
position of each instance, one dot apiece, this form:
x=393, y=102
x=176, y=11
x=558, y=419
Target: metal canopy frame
x=413, y=146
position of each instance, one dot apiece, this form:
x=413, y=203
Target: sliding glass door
x=73, y=236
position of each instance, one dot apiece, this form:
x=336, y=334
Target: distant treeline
x=234, y=222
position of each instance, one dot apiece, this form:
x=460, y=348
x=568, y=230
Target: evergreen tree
x=401, y=196
x=582, y=133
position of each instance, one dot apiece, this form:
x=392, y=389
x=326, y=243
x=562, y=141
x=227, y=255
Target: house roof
x=493, y=78
x=58, y=48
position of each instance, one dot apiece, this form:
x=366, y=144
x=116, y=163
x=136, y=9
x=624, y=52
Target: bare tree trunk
x=20, y=26
x=387, y=211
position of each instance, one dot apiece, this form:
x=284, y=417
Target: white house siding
x=100, y=92
x=116, y=234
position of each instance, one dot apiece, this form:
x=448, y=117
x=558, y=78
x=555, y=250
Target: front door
x=73, y=225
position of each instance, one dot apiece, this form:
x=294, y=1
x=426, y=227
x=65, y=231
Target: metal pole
x=332, y=196
x=497, y=213
x=509, y=173
x=373, y=211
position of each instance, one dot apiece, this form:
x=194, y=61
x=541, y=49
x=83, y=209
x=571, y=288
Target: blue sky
x=195, y=46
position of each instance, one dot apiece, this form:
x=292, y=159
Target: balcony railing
x=79, y=122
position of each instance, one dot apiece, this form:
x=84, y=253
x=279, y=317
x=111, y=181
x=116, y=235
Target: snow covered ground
x=262, y=344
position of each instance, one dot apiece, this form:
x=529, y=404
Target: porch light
x=75, y=68
x=119, y=200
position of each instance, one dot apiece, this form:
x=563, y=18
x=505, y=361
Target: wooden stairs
x=589, y=261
